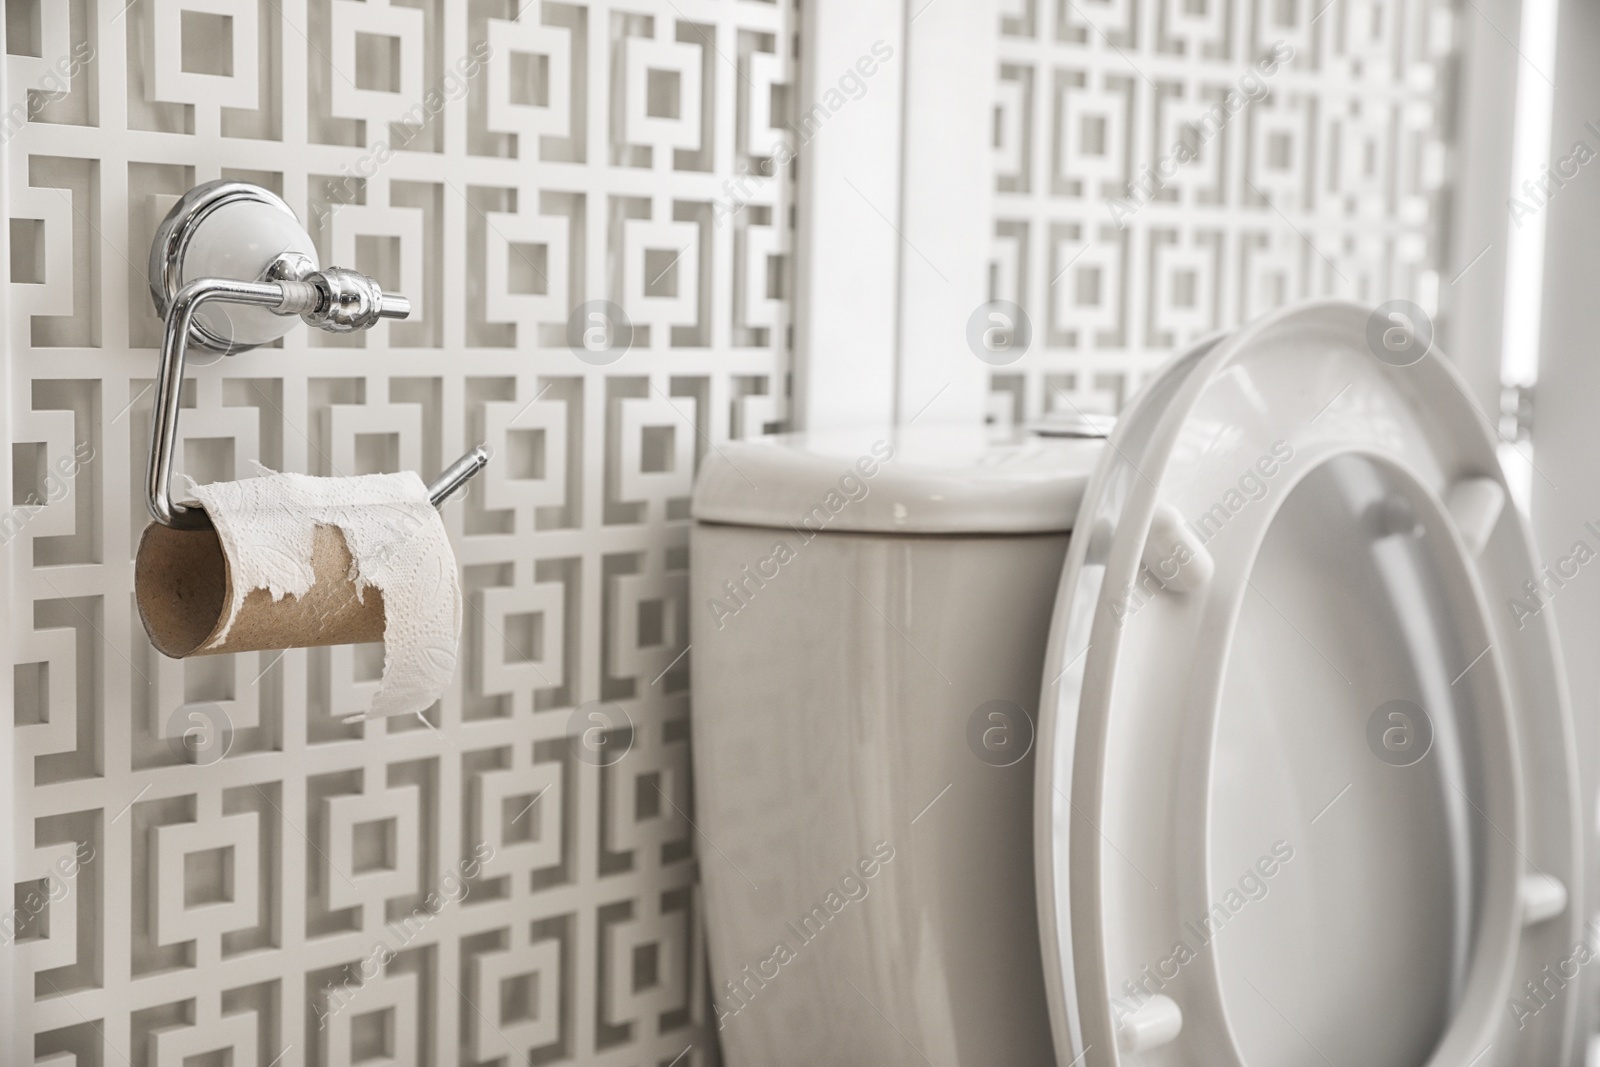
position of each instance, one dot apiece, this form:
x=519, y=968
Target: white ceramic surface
x=1193, y=735
x=832, y=706
x=829, y=714
x=917, y=479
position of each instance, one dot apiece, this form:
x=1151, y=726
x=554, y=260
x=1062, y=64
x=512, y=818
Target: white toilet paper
x=397, y=544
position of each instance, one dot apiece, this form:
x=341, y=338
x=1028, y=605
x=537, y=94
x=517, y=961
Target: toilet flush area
x=695, y=532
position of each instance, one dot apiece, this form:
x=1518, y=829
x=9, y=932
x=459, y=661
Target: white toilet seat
x=1180, y=724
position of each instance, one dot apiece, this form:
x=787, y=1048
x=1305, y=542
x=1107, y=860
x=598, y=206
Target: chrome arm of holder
x=457, y=474
x=336, y=300
x=220, y=228
x=341, y=301
x=169, y=388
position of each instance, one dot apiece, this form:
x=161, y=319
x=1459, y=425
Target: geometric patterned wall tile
x=520, y=813
x=44, y=688
x=656, y=449
x=377, y=52
x=520, y=991
x=661, y=274
x=205, y=52
x=648, y=960
x=648, y=797
x=761, y=304
x=763, y=128
x=529, y=653
x=224, y=1039
x=531, y=442
x=526, y=273
x=381, y=1027
x=206, y=878
x=530, y=86
x=1165, y=170
x=374, y=847
x=661, y=108
x=256, y=875
x=43, y=923
x=651, y=626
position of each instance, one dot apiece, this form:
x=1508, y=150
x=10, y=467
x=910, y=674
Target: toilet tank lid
x=920, y=479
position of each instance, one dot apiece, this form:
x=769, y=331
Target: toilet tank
x=868, y=622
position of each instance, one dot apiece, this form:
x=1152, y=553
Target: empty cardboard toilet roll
x=295, y=561
x=186, y=596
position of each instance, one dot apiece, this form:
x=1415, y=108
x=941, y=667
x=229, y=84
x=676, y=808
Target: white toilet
x=1268, y=761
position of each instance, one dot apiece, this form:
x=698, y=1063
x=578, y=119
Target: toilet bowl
x=1236, y=738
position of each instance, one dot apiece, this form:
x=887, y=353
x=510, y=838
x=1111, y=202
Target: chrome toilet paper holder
x=220, y=229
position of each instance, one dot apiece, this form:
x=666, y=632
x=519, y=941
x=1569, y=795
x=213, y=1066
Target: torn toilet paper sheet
x=397, y=544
